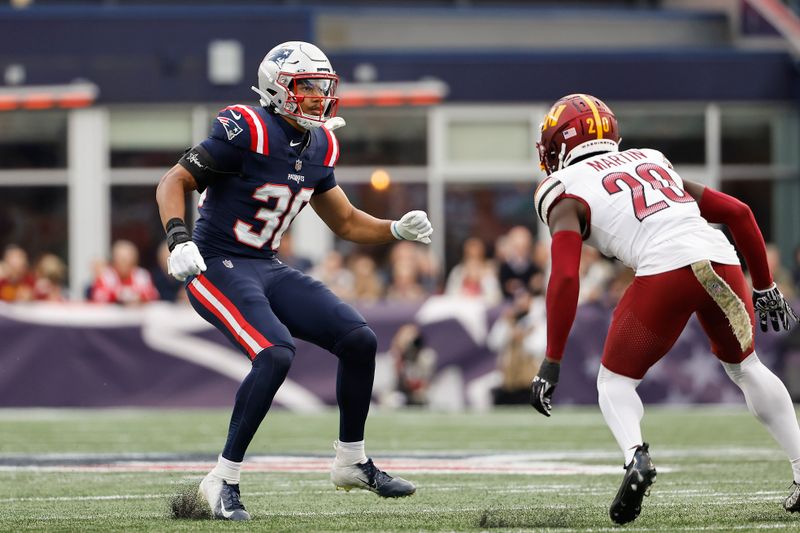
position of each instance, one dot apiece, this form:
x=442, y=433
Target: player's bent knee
x=278, y=357
x=360, y=343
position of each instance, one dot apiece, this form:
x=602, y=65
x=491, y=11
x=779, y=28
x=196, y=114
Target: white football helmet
x=287, y=66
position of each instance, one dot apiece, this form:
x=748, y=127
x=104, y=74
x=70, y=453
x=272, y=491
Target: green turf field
x=718, y=471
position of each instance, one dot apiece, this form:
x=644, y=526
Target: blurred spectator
x=517, y=267
x=332, y=272
x=50, y=275
x=596, y=272
x=16, y=279
x=404, y=285
x=169, y=289
x=288, y=257
x=781, y=276
x=475, y=275
x=519, y=337
x=424, y=263
x=367, y=284
x=123, y=281
x=415, y=364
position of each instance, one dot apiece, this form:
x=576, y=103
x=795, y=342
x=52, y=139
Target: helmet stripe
x=597, y=125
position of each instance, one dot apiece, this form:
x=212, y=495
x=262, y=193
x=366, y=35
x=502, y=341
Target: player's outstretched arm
x=350, y=223
x=184, y=259
x=769, y=304
x=561, y=298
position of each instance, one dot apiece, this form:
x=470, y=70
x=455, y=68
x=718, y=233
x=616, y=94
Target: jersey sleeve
x=549, y=192
x=325, y=184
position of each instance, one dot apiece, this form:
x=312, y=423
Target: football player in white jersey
x=632, y=205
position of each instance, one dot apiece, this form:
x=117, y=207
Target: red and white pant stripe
x=217, y=303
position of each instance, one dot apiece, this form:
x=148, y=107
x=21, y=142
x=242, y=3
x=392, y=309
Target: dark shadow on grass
x=538, y=517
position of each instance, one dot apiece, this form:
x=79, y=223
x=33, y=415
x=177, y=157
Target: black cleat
x=223, y=499
x=792, y=503
x=639, y=475
x=369, y=477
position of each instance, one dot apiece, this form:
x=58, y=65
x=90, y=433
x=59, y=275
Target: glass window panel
x=679, y=135
x=149, y=137
x=484, y=141
x=135, y=217
x=33, y=139
x=747, y=135
x=485, y=210
x=381, y=136
x=35, y=218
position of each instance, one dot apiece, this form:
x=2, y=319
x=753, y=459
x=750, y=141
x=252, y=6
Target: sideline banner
x=164, y=355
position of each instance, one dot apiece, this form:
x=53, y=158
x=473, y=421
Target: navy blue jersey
x=274, y=170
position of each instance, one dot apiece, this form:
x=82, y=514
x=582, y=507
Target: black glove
x=543, y=385
x=771, y=303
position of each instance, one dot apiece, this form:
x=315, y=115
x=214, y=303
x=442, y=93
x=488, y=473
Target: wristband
x=549, y=371
x=176, y=233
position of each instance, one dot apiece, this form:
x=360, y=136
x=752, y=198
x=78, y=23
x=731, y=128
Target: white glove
x=413, y=226
x=185, y=260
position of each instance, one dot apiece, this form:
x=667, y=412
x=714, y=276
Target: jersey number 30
x=647, y=175
x=277, y=219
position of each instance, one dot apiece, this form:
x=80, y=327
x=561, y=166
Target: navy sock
x=356, y=352
x=254, y=398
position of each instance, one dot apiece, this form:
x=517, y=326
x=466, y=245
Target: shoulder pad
x=546, y=196
x=242, y=126
x=331, y=155
x=657, y=155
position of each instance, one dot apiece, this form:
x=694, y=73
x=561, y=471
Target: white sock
x=227, y=470
x=622, y=409
x=349, y=453
x=769, y=401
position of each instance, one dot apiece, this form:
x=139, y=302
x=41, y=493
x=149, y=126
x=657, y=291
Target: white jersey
x=637, y=211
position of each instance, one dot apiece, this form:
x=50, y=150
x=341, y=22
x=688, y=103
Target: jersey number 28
x=647, y=175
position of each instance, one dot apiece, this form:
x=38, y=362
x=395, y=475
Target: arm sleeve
x=211, y=161
x=718, y=207
x=562, y=290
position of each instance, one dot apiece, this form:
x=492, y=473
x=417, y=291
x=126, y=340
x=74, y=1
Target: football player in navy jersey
x=258, y=168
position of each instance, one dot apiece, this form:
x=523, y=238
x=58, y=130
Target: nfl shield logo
x=228, y=263
x=298, y=165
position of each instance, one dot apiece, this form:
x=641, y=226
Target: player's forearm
x=562, y=291
x=363, y=228
x=718, y=207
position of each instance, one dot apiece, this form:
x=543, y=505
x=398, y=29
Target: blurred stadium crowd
x=493, y=273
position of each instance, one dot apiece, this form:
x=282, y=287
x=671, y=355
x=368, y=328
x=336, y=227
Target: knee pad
x=359, y=344
x=279, y=357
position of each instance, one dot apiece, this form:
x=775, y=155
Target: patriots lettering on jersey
x=615, y=160
x=232, y=129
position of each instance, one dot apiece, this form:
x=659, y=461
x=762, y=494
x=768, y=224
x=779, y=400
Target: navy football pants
x=260, y=305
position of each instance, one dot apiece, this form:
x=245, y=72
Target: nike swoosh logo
x=225, y=512
x=236, y=115
x=292, y=143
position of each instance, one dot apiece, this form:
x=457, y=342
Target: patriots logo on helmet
x=232, y=129
x=280, y=56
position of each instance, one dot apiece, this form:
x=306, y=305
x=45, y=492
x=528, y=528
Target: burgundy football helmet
x=576, y=125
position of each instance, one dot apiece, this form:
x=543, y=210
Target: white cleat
x=369, y=477
x=223, y=498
